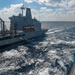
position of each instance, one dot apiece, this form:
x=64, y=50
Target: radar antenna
x=22, y=8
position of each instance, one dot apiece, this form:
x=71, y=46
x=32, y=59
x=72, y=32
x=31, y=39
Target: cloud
x=46, y=2
x=5, y=13
x=29, y=1
x=71, y=3
x=54, y=3
x=57, y=9
x=61, y=14
x=64, y=13
x=12, y=10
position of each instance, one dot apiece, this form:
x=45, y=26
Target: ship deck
x=10, y=36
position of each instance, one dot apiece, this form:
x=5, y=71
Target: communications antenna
x=22, y=8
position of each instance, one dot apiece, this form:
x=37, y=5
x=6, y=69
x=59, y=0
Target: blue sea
x=50, y=54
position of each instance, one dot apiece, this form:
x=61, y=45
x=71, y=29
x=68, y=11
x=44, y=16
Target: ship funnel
x=28, y=13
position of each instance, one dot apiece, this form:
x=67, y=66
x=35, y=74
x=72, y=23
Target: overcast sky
x=43, y=10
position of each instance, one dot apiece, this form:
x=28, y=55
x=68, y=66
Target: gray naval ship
x=22, y=28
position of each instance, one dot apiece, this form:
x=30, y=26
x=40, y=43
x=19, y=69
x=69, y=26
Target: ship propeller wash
x=22, y=28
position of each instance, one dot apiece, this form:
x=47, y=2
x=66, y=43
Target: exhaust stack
x=28, y=13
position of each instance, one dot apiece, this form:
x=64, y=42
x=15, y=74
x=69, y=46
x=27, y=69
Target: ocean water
x=50, y=54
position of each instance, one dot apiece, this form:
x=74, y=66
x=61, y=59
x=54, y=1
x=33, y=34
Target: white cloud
x=46, y=2
x=64, y=9
x=44, y=13
x=12, y=10
x=71, y=3
x=43, y=8
x=5, y=13
x=54, y=3
x=29, y=1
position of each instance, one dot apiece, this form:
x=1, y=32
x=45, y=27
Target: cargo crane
x=2, y=23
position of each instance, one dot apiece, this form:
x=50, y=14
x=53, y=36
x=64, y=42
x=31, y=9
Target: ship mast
x=22, y=8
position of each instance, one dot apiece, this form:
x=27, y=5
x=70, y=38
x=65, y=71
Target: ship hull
x=23, y=38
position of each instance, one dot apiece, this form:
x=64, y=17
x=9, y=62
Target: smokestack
x=28, y=13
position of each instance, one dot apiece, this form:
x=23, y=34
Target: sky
x=43, y=10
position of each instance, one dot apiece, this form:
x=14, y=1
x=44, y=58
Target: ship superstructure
x=21, y=28
x=24, y=23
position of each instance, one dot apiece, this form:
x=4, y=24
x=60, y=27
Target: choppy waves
x=50, y=55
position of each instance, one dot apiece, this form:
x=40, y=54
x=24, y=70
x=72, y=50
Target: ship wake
x=52, y=55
